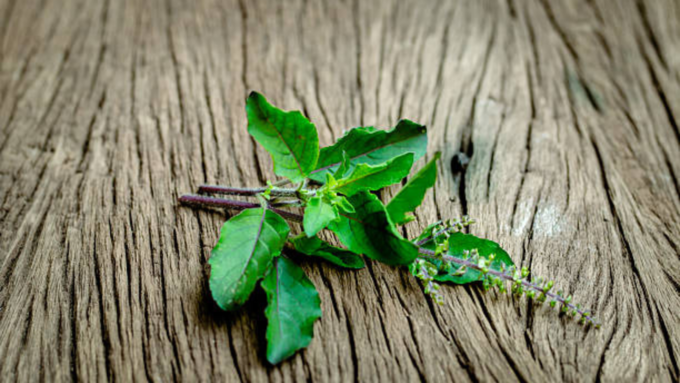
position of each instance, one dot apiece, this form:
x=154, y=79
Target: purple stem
x=226, y=190
x=199, y=200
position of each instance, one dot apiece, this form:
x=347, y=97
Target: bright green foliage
x=289, y=137
x=244, y=253
x=371, y=146
x=369, y=231
x=363, y=160
x=315, y=247
x=293, y=305
x=318, y=214
x=324, y=207
x=459, y=244
x=412, y=194
x=367, y=177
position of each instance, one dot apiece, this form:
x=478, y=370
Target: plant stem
x=215, y=189
x=429, y=254
x=199, y=200
x=228, y=190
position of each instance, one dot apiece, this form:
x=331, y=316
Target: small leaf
x=293, y=305
x=367, y=177
x=369, y=231
x=371, y=146
x=343, y=204
x=412, y=194
x=289, y=137
x=315, y=247
x=243, y=255
x=458, y=244
x=344, y=166
x=318, y=214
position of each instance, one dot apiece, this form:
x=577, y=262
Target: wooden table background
x=109, y=110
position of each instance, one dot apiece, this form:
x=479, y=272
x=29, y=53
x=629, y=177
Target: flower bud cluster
x=425, y=271
x=537, y=289
x=442, y=229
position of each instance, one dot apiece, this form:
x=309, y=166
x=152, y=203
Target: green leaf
x=289, y=137
x=243, y=255
x=412, y=194
x=332, y=196
x=458, y=243
x=343, y=204
x=319, y=212
x=315, y=247
x=367, y=177
x=369, y=231
x=371, y=146
x=293, y=305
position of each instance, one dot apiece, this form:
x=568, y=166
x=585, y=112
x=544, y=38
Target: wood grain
x=109, y=110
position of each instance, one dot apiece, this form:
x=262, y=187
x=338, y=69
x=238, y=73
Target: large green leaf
x=318, y=214
x=315, y=247
x=412, y=194
x=458, y=244
x=293, y=305
x=244, y=253
x=369, y=231
x=371, y=146
x=289, y=137
x=367, y=177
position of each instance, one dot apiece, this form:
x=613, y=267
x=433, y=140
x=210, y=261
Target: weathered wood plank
x=110, y=110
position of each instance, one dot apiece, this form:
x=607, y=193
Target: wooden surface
x=109, y=110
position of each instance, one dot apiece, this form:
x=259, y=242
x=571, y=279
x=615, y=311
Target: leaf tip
x=253, y=94
x=407, y=122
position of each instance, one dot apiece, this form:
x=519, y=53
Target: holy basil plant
x=333, y=188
